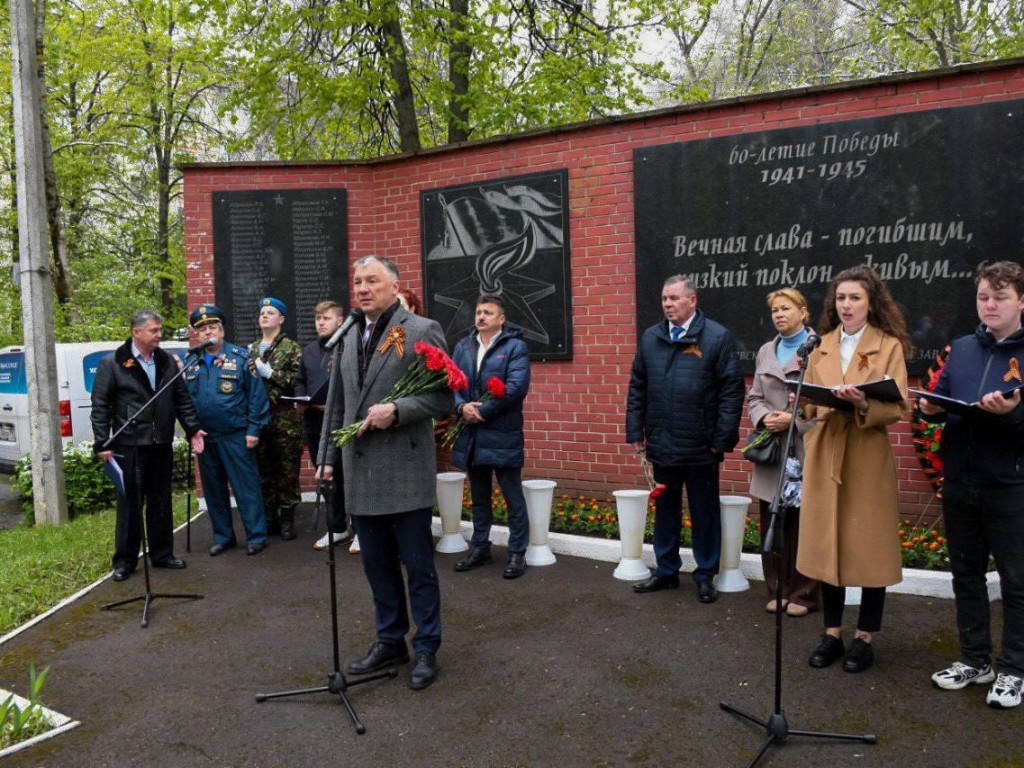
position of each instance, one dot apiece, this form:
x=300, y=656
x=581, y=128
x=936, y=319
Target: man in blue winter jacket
x=683, y=412
x=493, y=439
x=983, y=487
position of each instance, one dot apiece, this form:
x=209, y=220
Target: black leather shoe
x=120, y=574
x=380, y=656
x=424, y=672
x=477, y=557
x=859, y=656
x=169, y=562
x=516, y=566
x=255, y=549
x=219, y=548
x=829, y=651
x=657, y=583
x=706, y=591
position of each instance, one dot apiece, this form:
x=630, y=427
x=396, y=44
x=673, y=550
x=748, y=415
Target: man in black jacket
x=125, y=381
x=683, y=412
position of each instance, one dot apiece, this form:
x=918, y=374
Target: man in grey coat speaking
x=391, y=471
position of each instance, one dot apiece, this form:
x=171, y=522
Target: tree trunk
x=61, y=273
x=459, y=55
x=405, y=101
x=62, y=284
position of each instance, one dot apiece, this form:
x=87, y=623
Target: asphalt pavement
x=563, y=667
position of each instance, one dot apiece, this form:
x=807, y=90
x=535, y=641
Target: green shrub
x=87, y=486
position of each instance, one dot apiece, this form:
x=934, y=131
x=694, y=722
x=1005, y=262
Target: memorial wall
x=918, y=175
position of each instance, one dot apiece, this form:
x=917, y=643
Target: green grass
x=41, y=565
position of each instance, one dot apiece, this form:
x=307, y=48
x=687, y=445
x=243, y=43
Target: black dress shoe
x=380, y=656
x=122, y=573
x=169, y=562
x=859, y=657
x=706, y=591
x=424, y=672
x=254, y=548
x=477, y=557
x=829, y=651
x=221, y=547
x=657, y=583
x=516, y=566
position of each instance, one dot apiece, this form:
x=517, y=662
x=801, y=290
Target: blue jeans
x=510, y=480
x=984, y=520
x=701, y=481
x=388, y=542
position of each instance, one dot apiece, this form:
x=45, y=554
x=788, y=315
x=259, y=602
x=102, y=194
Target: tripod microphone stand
x=777, y=726
x=149, y=595
x=337, y=683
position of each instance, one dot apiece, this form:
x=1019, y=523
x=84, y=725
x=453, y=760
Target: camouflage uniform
x=280, y=448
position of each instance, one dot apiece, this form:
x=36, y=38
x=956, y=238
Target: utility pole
x=36, y=281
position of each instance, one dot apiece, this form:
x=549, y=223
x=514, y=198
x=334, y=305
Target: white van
x=76, y=371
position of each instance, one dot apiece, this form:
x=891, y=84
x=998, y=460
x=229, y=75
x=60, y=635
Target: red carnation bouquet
x=656, y=488
x=495, y=388
x=432, y=370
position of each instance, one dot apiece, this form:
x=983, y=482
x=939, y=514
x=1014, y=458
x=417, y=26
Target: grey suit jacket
x=392, y=470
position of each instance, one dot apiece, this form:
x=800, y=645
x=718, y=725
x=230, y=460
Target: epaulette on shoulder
x=240, y=351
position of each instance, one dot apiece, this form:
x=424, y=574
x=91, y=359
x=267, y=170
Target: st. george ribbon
x=353, y=317
x=809, y=344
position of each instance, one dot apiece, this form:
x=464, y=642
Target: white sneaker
x=354, y=547
x=961, y=675
x=1005, y=692
x=321, y=543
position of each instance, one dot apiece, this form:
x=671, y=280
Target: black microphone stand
x=337, y=683
x=777, y=726
x=149, y=595
x=188, y=503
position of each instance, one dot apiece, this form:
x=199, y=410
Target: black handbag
x=762, y=447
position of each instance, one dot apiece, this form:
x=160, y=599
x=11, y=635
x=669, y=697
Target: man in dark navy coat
x=492, y=442
x=683, y=411
x=125, y=381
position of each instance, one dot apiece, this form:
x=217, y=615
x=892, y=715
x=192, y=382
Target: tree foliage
x=134, y=87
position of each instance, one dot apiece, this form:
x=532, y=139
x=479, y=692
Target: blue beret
x=205, y=313
x=277, y=304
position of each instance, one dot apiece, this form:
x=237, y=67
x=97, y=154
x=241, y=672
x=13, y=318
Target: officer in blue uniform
x=233, y=409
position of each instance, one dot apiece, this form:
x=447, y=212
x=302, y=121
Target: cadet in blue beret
x=233, y=409
x=275, y=359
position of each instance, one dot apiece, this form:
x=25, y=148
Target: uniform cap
x=277, y=304
x=206, y=313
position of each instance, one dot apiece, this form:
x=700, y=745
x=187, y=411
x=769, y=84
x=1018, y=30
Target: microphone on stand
x=804, y=350
x=200, y=346
x=353, y=317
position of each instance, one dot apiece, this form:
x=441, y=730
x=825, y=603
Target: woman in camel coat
x=849, y=524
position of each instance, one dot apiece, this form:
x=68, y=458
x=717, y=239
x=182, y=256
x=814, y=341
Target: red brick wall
x=574, y=413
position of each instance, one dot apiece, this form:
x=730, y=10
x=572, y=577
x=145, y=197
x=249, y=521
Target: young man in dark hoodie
x=983, y=490
x=492, y=442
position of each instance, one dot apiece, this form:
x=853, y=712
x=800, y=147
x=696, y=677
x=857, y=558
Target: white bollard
x=631, y=507
x=539, y=494
x=449, y=504
x=734, y=519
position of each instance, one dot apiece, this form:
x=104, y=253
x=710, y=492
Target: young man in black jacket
x=983, y=491
x=125, y=380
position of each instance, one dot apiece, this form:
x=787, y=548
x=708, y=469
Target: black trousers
x=337, y=519
x=872, y=605
x=983, y=521
x=154, y=468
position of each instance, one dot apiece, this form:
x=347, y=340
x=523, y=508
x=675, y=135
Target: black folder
x=952, y=405
x=317, y=398
x=883, y=389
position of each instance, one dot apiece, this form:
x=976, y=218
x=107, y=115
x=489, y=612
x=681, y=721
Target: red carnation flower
x=657, y=490
x=496, y=387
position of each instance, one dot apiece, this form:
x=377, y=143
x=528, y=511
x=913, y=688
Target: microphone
x=353, y=317
x=201, y=346
x=804, y=350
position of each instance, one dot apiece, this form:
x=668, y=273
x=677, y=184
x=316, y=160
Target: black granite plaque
x=922, y=197
x=508, y=237
x=287, y=243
